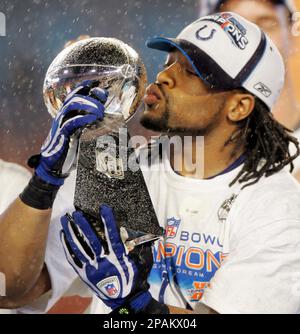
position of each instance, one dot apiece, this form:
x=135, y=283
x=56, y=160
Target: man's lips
x=153, y=95
x=150, y=99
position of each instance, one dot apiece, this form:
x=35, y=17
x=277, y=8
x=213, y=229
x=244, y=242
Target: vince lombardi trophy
x=103, y=173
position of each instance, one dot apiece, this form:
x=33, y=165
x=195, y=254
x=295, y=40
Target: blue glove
x=118, y=278
x=82, y=107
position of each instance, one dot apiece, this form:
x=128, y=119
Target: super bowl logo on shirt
x=172, y=227
x=198, y=290
x=234, y=29
x=110, y=287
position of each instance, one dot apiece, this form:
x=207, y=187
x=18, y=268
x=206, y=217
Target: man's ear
x=239, y=106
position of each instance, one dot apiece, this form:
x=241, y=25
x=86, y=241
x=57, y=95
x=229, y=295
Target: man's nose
x=167, y=77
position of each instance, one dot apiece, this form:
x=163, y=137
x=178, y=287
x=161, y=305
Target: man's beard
x=162, y=124
x=158, y=125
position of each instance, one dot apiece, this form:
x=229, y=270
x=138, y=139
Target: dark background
x=37, y=31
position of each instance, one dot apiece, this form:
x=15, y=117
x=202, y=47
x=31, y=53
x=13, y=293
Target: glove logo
x=110, y=287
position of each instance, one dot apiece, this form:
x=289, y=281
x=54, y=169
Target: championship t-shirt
x=237, y=251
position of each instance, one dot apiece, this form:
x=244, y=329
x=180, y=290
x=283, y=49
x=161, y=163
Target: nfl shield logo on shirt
x=110, y=287
x=172, y=227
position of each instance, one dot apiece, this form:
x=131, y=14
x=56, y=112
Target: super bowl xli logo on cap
x=233, y=28
x=110, y=287
x=172, y=227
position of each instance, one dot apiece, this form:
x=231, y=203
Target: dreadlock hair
x=267, y=145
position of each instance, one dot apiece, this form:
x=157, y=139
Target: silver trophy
x=101, y=176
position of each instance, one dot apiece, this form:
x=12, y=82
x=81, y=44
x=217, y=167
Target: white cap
x=229, y=52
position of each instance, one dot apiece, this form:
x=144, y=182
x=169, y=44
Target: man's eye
x=191, y=72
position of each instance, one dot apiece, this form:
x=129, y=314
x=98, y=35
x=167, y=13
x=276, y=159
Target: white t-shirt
x=251, y=261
